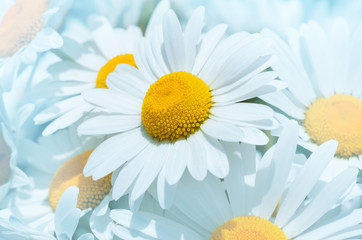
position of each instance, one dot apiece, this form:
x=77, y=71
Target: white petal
x=165, y=191
x=113, y=101
x=153, y=225
x=157, y=16
x=197, y=162
x=58, y=109
x=67, y=119
x=129, y=172
x=223, y=131
x=305, y=181
x=80, y=54
x=291, y=71
x=177, y=161
x=128, y=79
x=103, y=36
x=352, y=219
x=174, y=42
x=273, y=178
x=208, y=44
x=108, y=124
x=115, y=151
x=243, y=112
x=322, y=203
x=217, y=162
x=192, y=36
x=150, y=170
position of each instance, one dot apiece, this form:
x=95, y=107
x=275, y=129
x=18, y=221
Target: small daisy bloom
x=324, y=88
x=66, y=218
x=88, y=68
x=254, y=204
x=28, y=27
x=171, y=112
x=54, y=164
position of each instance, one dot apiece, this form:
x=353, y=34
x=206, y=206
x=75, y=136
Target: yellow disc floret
x=175, y=106
x=21, y=23
x=110, y=66
x=248, y=228
x=340, y=118
x=91, y=192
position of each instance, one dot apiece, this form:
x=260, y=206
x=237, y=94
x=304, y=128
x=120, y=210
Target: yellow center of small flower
x=110, y=66
x=340, y=118
x=175, y=106
x=248, y=228
x=91, y=192
x=20, y=24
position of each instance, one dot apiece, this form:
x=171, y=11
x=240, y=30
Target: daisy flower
x=66, y=218
x=250, y=15
x=28, y=27
x=54, y=164
x=171, y=112
x=324, y=88
x=245, y=205
x=88, y=68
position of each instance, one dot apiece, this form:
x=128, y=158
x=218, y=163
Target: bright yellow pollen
x=91, y=192
x=175, y=106
x=248, y=228
x=21, y=23
x=110, y=66
x=340, y=118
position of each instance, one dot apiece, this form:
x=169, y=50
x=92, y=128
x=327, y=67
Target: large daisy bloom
x=324, y=88
x=246, y=202
x=88, y=68
x=171, y=112
x=54, y=164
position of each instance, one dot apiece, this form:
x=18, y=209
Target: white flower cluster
x=180, y=120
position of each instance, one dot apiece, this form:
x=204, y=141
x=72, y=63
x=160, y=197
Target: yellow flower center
x=20, y=24
x=110, y=66
x=340, y=118
x=175, y=106
x=248, y=228
x=91, y=192
x=5, y=153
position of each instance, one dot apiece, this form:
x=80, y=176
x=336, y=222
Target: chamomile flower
x=28, y=27
x=66, y=218
x=171, y=112
x=88, y=68
x=324, y=88
x=54, y=164
x=245, y=205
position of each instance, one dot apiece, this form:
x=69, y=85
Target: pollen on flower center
x=91, y=192
x=248, y=228
x=175, y=106
x=110, y=66
x=21, y=23
x=340, y=118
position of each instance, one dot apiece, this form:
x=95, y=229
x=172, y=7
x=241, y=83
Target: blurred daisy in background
x=322, y=68
x=86, y=66
x=254, y=201
x=248, y=15
x=28, y=27
x=54, y=164
x=171, y=112
x=65, y=221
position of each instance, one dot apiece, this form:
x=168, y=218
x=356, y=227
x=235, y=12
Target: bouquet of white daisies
x=180, y=120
